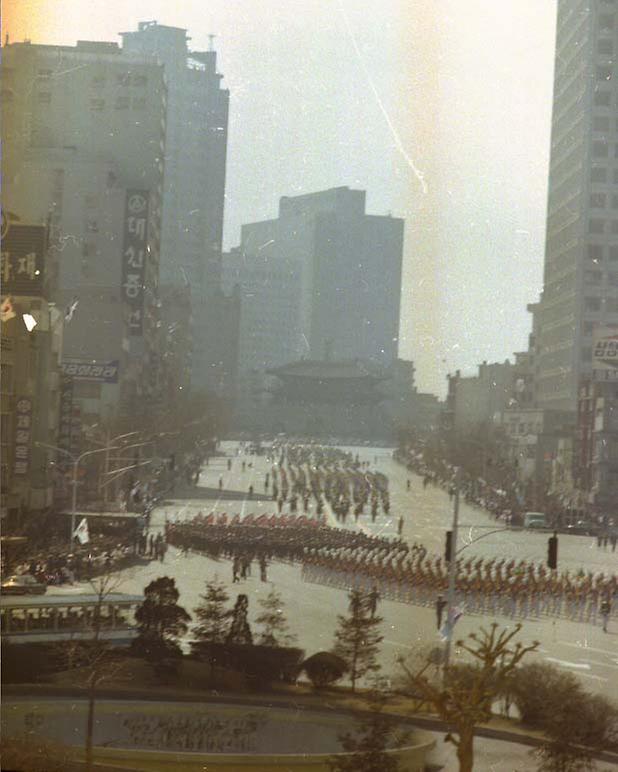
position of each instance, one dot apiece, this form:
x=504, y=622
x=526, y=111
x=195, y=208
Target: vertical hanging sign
x=23, y=435
x=134, y=251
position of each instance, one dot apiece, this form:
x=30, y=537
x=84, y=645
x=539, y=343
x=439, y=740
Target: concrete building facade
x=348, y=268
x=581, y=253
x=194, y=186
x=84, y=143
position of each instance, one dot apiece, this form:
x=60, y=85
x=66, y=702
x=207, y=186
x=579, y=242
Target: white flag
x=81, y=532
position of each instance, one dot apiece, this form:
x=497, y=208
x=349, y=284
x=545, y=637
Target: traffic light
x=448, y=550
x=552, y=552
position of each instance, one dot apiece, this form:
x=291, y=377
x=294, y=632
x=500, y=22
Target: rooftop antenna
x=211, y=44
x=6, y=39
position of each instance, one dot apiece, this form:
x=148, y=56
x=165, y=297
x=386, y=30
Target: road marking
x=593, y=677
x=601, y=664
x=566, y=663
x=585, y=647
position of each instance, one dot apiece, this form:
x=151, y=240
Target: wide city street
x=312, y=609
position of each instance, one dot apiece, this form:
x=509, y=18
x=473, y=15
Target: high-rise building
x=83, y=152
x=581, y=255
x=345, y=269
x=194, y=186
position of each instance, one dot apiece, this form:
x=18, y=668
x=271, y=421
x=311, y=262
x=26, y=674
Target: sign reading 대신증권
x=134, y=253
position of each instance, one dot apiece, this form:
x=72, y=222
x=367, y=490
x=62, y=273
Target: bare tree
x=93, y=655
x=464, y=696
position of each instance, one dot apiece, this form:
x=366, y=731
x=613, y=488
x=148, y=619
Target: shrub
x=539, y=690
x=324, y=668
x=262, y=665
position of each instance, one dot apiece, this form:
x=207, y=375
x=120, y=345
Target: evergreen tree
x=213, y=616
x=161, y=621
x=240, y=632
x=358, y=637
x=275, y=630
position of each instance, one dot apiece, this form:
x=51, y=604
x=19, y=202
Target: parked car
x=534, y=520
x=23, y=584
x=581, y=528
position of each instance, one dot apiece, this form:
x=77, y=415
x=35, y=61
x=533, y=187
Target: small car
x=23, y=584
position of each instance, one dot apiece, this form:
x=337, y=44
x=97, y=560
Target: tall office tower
x=194, y=186
x=581, y=255
x=83, y=142
x=347, y=268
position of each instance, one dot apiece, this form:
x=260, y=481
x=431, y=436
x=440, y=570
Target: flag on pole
x=81, y=532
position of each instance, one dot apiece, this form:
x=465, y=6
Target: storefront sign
x=605, y=353
x=23, y=254
x=85, y=370
x=134, y=256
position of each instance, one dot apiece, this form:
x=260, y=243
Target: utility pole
x=452, y=575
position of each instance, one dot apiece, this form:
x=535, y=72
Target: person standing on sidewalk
x=605, y=610
x=440, y=606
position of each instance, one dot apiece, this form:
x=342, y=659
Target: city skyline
x=434, y=102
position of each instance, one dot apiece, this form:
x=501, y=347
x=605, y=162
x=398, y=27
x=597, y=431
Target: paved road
x=312, y=609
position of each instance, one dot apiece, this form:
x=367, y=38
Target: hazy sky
x=440, y=109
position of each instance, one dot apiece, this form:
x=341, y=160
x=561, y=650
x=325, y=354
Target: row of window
x=596, y=277
x=594, y=305
x=596, y=226
x=121, y=103
x=596, y=252
x=122, y=79
x=601, y=174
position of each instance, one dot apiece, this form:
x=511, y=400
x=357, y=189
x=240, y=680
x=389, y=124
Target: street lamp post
x=75, y=461
x=452, y=574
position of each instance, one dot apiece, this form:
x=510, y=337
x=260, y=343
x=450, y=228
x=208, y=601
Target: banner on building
x=134, y=252
x=23, y=435
x=81, y=532
x=23, y=258
x=605, y=353
x=87, y=370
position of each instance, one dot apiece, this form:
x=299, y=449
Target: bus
x=27, y=619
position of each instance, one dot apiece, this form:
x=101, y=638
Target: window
x=600, y=123
x=6, y=95
x=614, y=226
x=88, y=249
x=593, y=277
x=122, y=103
x=588, y=328
x=599, y=174
x=123, y=78
x=587, y=354
x=596, y=225
x=598, y=200
x=44, y=97
x=605, y=46
x=611, y=305
x=139, y=103
x=599, y=149
x=606, y=22
x=592, y=304
x=86, y=390
x=613, y=253
x=97, y=104
x=602, y=98
x=92, y=225
x=595, y=253
x=612, y=278
x=99, y=81
x=140, y=80
x=44, y=74
x=604, y=73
